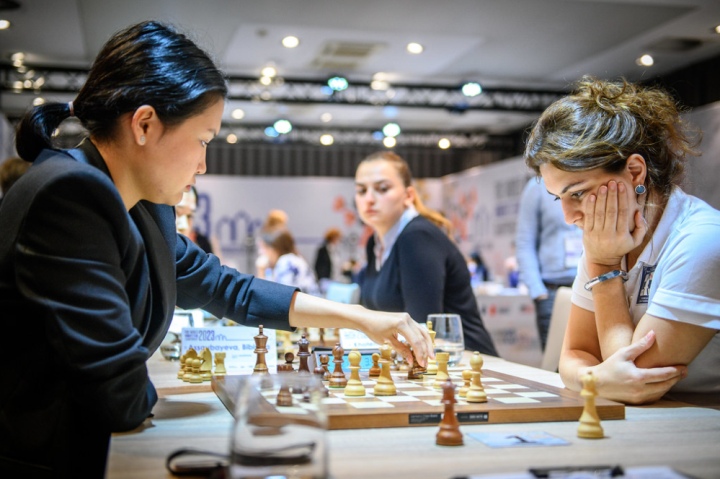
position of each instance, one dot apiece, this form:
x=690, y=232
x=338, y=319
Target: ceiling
x=503, y=44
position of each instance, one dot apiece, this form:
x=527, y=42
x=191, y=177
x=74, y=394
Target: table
x=679, y=435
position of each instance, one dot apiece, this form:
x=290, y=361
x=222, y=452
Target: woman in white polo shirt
x=646, y=301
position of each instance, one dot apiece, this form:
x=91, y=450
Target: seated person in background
x=412, y=264
x=275, y=220
x=646, y=302
x=327, y=260
x=185, y=223
x=286, y=265
x=10, y=170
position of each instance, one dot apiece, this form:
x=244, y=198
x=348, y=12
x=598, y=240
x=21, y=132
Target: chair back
x=556, y=332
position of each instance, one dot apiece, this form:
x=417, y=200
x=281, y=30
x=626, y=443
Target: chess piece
x=220, y=364
x=303, y=354
x=320, y=373
x=442, y=369
x=449, y=433
x=385, y=386
x=589, y=427
x=324, y=360
x=206, y=366
x=394, y=361
x=354, y=385
x=467, y=376
x=260, y=351
x=476, y=392
x=190, y=354
x=195, y=376
x=284, y=397
x=375, y=368
x=287, y=367
x=337, y=378
x=415, y=371
x=431, y=363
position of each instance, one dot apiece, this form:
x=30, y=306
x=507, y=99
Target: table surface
x=678, y=435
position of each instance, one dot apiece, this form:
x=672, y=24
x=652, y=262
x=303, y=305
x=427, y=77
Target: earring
x=142, y=140
x=640, y=189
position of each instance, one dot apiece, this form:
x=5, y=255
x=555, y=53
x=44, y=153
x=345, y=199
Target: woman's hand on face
x=607, y=237
x=387, y=326
x=620, y=380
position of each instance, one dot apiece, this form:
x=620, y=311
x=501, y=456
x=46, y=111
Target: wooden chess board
x=417, y=403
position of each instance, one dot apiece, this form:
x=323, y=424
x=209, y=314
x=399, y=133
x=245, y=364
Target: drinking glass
x=280, y=428
x=448, y=335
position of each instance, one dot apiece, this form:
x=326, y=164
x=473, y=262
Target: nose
x=202, y=167
x=571, y=213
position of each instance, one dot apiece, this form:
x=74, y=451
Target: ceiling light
x=717, y=29
x=265, y=80
x=414, y=48
x=271, y=132
x=238, y=114
x=268, y=71
x=389, y=141
x=38, y=101
x=325, y=117
x=379, y=85
x=327, y=140
x=338, y=83
x=391, y=130
x=232, y=138
x=471, y=89
x=4, y=24
x=444, y=143
x=283, y=126
x=290, y=41
x=645, y=61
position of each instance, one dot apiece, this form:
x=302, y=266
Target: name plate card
x=238, y=344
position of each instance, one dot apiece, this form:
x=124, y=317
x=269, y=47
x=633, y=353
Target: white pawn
x=354, y=385
x=476, y=392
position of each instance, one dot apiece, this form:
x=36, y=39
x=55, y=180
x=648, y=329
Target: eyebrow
x=566, y=188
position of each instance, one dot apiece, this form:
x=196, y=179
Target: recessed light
x=290, y=41
x=645, y=61
x=232, y=138
x=4, y=24
x=326, y=117
x=268, y=71
x=717, y=29
x=444, y=143
x=327, y=140
x=238, y=114
x=414, y=48
x=389, y=141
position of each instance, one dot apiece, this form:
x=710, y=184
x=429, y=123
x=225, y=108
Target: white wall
x=703, y=173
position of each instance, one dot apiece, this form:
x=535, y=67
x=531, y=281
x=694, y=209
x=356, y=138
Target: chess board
x=418, y=403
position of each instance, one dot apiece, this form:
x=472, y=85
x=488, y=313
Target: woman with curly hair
x=646, y=305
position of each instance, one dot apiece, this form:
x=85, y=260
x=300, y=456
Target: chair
x=556, y=333
x=343, y=292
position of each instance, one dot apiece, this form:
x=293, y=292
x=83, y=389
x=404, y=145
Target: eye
x=360, y=191
x=204, y=143
x=577, y=195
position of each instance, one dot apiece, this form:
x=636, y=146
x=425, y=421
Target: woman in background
x=412, y=264
x=286, y=266
x=646, y=302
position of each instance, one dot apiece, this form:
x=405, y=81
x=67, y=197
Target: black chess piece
x=260, y=351
x=303, y=354
x=337, y=378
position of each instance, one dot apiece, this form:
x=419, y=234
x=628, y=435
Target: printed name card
x=238, y=344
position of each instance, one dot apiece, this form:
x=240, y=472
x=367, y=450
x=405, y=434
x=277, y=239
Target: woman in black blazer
x=91, y=266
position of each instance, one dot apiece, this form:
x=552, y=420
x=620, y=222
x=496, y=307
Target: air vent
x=344, y=57
x=674, y=45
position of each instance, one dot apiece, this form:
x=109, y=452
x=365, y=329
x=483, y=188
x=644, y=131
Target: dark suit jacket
x=323, y=262
x=425, y=273
x=87, y=292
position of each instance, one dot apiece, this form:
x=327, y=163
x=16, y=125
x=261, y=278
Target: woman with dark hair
x=91, y=266
x=412, y=264
x=286, y=265
x=646, y=305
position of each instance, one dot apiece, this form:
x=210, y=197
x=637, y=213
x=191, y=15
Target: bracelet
x=604, y=277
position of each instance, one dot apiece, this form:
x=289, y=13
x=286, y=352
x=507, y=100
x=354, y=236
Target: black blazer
x=87, y=293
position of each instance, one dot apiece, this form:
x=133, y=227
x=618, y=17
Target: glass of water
x=280, y=428
x=448, y=335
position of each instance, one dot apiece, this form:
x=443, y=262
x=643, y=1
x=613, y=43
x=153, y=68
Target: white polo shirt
x=677, y=277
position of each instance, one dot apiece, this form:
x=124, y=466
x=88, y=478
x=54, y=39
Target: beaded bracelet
x=604, y=277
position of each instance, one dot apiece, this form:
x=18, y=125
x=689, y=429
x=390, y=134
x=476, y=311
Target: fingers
x=640, y=346
x=641, y=228
x=601, y=215
x=621, y=202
